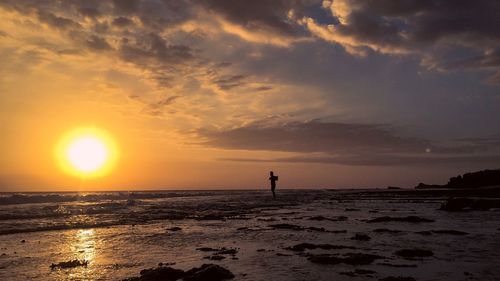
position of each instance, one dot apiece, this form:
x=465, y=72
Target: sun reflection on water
x=84, y=245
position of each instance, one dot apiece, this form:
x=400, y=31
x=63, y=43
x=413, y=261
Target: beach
x=302, y=235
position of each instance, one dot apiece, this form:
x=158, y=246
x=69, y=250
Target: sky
x=215, y=94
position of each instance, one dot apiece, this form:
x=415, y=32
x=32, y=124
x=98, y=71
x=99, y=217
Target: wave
x=35, y=198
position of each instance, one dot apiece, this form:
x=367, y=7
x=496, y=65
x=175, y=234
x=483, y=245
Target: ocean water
x=121, y=233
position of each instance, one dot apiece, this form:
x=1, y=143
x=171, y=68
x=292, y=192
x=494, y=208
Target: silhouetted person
x=273, y=180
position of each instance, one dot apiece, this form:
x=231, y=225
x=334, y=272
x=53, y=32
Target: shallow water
x=120, y=234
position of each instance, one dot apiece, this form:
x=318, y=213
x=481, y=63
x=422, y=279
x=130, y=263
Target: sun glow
x=87, y=152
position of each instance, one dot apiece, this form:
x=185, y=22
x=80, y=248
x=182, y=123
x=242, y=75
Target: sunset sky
x=215, y=94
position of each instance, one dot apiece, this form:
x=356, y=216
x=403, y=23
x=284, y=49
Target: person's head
x=271, y=173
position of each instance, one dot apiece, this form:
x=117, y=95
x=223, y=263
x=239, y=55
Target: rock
x=361, y=237
x=286, y=226
x=414, y=253
x=357, y=272
x=413, y=219
x=386, y=230
x=69, y=264
x=320, y=229
x=207, y=249
x=208, y=272
x=309, y=246
x=451, y=232
x=350, y=258
x=218, y=252
x=161, y=273
x=175, y=228
x=166, y=263
x=321, y=218
x=425, y=232
x=23, y=241
x=224, y=251
x=351, y=209
x=399, y=278
x=215, y=257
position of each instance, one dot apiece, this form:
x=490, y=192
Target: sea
x=117, y=234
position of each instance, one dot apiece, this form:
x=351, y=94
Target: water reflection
x=81, y=245
x=84, y=245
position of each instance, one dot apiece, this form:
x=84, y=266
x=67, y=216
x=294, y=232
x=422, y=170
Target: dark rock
x=219, y=251
x=23, y=241
x=321, y=218
x=425, y=232
x=396, y=265
x=166, y=263
x=351, y=209
x=451, y=232
x=413, y=219
x=207, y=249
x=208, y=272
x=386, y=230
x=361, y=237
x=215, y=257
x=357, y=272
x=286, y=226
x=414, y=253
x=309, y=246
x=224, y=251
x=69, y=264
x=282, y=255
x=161, y=273
x=319, y=229
x=175, y=228
x=399, y=278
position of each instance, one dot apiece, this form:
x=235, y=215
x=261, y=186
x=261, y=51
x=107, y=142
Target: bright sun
x=87, y=152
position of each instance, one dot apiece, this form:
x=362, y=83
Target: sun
x=87, y=152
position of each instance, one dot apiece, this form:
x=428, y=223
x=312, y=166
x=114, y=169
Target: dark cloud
x=152, y=46
x=229, y=82
x=431, y=28
x=57, y=21
x=385, y=160
x=263, y=88
x=262, y=15
x=348, y=144
x=88, y=12
x=126, y=6
x=122, y=21
x=315, y=136
x=98, y=43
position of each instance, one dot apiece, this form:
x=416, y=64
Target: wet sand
x=303, y=235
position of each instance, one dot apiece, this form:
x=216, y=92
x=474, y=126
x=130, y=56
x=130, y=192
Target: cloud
x=314, y=136
x=383, y=160
x=122, y=21
x=431, y=29
x=347, y=144
x=98, y=43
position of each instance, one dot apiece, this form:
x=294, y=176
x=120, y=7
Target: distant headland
x=469, y=180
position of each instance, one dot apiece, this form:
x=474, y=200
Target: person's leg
x=274, y=194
